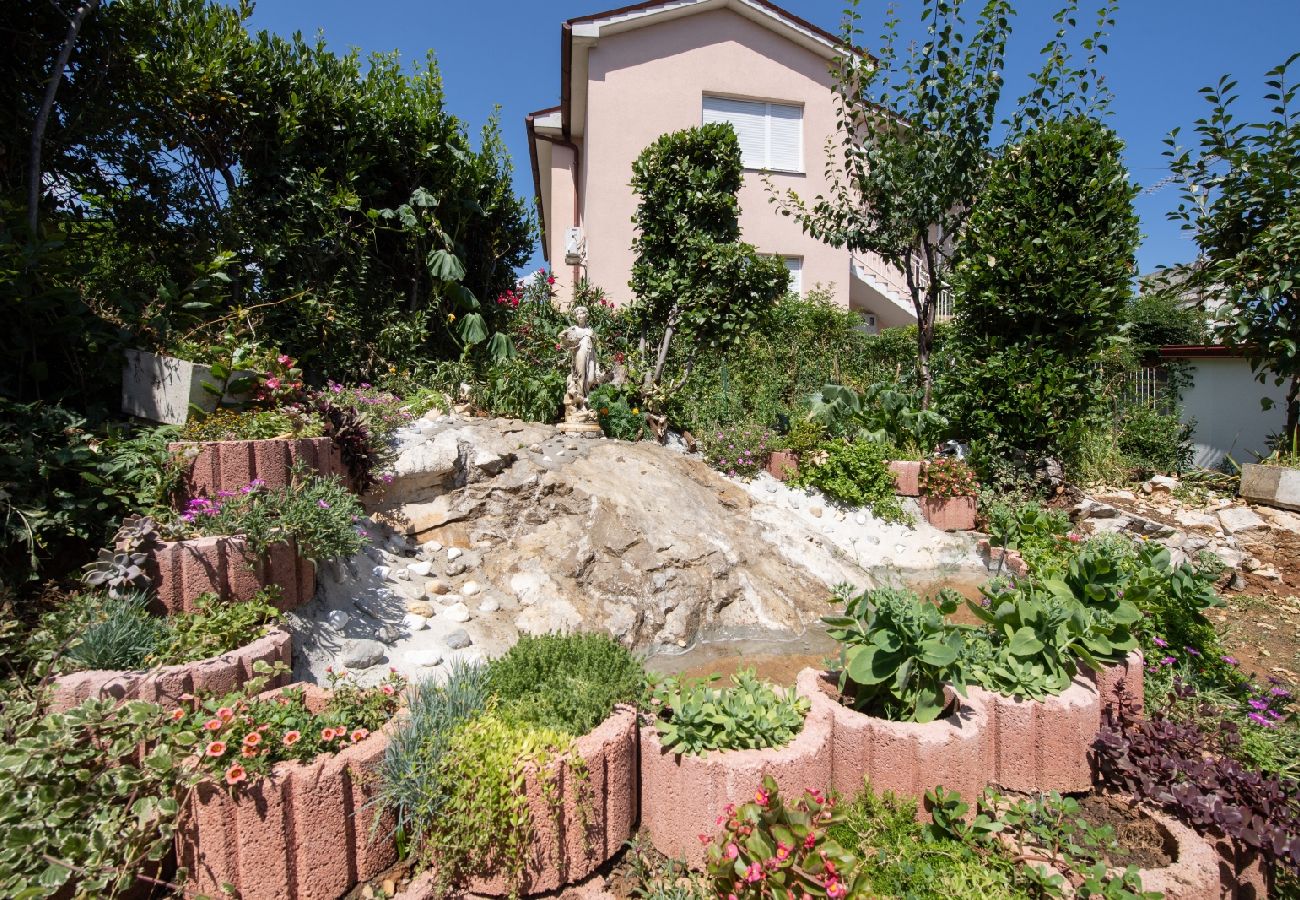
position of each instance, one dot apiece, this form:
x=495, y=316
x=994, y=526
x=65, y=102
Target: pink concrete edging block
x=165, y=685
x=1012, y=562
x=1121, y=680
x=907, y=477
x=682, y=796
x=562, y=852
x=783, y=465
x=904, y=757
x=1042, y=745
x=223, y=565
x=213, y=466
x=303, y=832
x=949, y=513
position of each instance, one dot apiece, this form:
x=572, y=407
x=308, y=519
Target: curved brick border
x=212, y=466
x=681, y=796
x=182, y=570
x=1012, y=562
x=904, y=757
x=949, y=513
x=304, y=831
x=907, y=477
x=165, y=685
x=1042, y=745
x=610, y=753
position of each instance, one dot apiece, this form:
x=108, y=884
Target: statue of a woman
x=583, y=372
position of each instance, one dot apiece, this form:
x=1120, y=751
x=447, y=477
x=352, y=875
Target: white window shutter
x=749, y=121
x=785, y=137
x=794, y=265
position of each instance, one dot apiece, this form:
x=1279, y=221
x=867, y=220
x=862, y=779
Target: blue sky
x=506, y=53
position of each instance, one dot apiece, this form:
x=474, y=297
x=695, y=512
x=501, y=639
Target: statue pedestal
x=583, y=429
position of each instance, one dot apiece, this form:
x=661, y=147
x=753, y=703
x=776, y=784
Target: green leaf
x=445, y=266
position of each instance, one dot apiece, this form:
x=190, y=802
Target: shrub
x=519, y=390
x=85, y=813
x=318, y=513
x=104, y=632
x=948, y=477
x=769, y=849
x=694, y=718
x=1152, y=441
x=410, y=787
x=569, y=683
x=855, y=474
x=618, y=417
x=214, y=627
x=251, y=425
x=1160, y=318
x=1041, y=536
x=883, y=413
x=740, y=451
x=898, y=654
x=362, y=453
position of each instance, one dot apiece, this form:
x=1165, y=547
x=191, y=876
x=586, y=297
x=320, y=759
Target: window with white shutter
x=794, y=265
x=771, y=134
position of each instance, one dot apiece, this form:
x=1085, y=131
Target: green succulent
x=695, y=717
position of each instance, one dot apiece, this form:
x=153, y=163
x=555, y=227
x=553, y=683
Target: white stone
x=860, y=519
x=470, y=588
x=402, y=575
x=424, y=658
x=382, y=572
x=337, y=618
x=457, y=612
x=1237, y=519
x=1163, y=483
x=454, y=553
x=490, y=605
x=415, y=622
x=420, y=568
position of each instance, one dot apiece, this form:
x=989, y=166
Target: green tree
x=1241, y=200
x=697, y=286
x=1042, y=284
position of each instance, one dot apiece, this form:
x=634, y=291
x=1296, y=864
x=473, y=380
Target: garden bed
x=305, y=831
x=182, y=571
x=682, y=795
x=165, y=685
x=211, y=467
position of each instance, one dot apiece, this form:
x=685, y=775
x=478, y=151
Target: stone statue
x=584, y=374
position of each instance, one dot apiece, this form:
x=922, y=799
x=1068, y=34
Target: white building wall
x=1224, y=401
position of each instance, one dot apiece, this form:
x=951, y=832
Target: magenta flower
x=322, y=504
x=1168, y=661
x=1160, y=642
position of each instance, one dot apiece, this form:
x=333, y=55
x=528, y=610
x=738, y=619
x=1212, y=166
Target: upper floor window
x=771, y=134
x=794, y=265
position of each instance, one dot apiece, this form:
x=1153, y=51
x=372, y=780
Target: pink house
x=632, y=74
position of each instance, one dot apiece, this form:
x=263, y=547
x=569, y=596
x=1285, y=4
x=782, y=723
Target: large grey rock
x=362, y=654
x=458, y=639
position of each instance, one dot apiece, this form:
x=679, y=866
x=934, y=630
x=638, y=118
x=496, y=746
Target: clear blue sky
x=507, y=53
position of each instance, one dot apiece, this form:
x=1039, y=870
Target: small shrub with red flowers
x=241, y=736
x=740, y=451
x=773, y=850
x=948, y=477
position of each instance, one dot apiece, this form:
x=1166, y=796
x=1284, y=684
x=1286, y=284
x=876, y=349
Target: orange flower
x=225, y=714
x=248, y=752
x=216, y=748
x=212, y=724
x=291, y=738
x=178, y=714
x=359, y=734
x=236, y=774
x=252, y=739
x=327, y=734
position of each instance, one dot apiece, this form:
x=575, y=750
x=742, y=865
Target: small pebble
x=860, y=519
x=424, y=657
x=337, y=618
x=458, y=639
x=470, y=588
x=382, y=572
x=421, y=568
x=438, y=587
x=420, y=608
x=490, y=605
x=454, y=553
x=415, y=622
x=456, y=568
x=402, y=575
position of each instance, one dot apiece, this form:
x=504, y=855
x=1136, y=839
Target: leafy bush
x=898, y=654
x=1041, y=536
x=214, y=627
x=694, y=718
x=882, y=413
x=768, y=849
x=516, y=389
x=361, y=452
x=569, y=683
x=619, y=419
x=251, y=425
x=1153, y=442
x=84, y=814
x=410, y=787
x=740, y=451
x=1159, y=319
x=318, y=513
x=104, y=632
x=1191, y=772
x=855, y=474
x=243, y=735
x=948, y=477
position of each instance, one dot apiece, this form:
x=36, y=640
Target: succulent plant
x=120, y=570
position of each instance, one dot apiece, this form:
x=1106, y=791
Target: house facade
x=630, y=75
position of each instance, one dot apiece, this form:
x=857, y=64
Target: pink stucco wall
x=648, y=81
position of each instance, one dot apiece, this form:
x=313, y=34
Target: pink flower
x=273, y=383
x=360, y=734
x=291, y=738
x=732, y=851
x=225, y=714
x=216, y=748
x=235, y=774
x=322, y=504
x=283, y=359
x=754, y=873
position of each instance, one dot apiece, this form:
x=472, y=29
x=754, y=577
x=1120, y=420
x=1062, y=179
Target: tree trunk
x=1292, y=414
x=43, y=115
